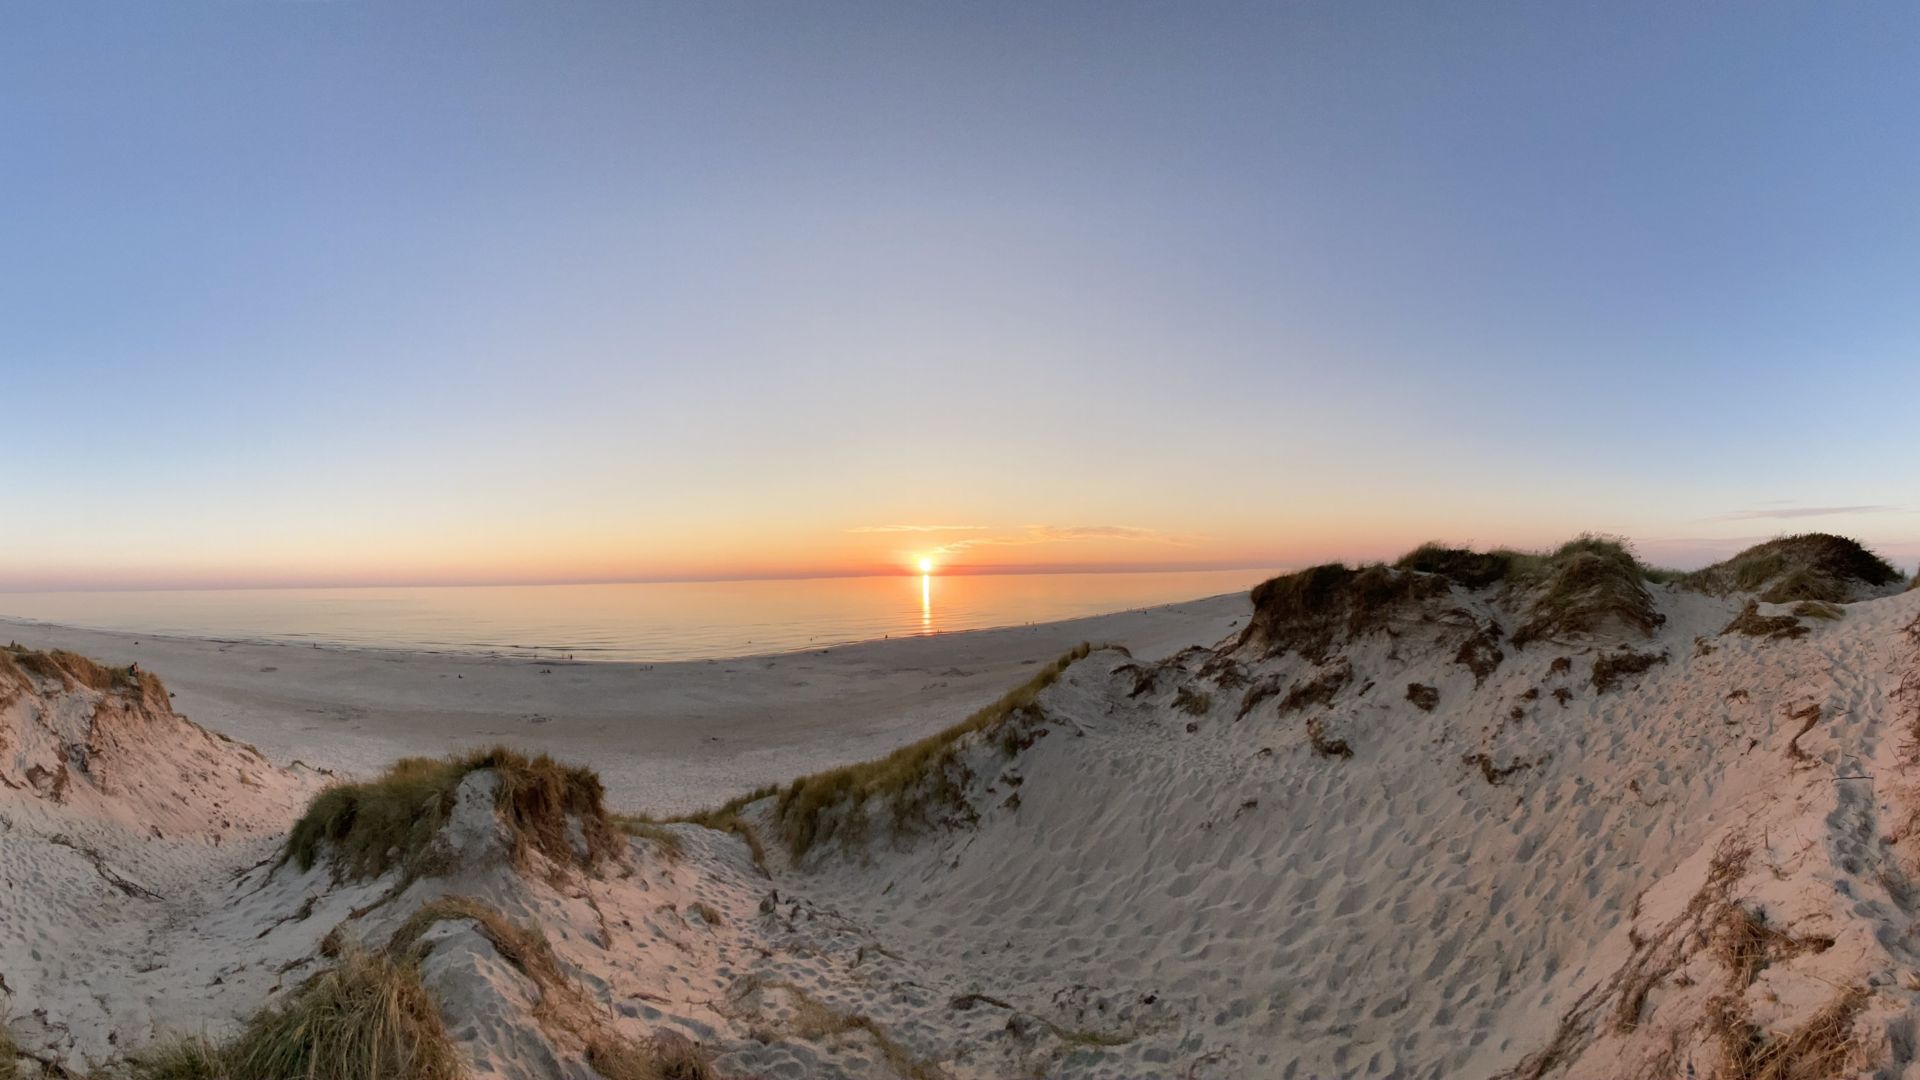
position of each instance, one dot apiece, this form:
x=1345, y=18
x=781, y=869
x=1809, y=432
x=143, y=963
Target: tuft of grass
x=653, y=832
x=1324, y=745
x=1612, y=667
x=366, y=1016
x=666, y=1056
x=814, y=1019
x=1584, y=584
x=1773, y=627
x=525, y=947
x=1319, y=690
x=1192, y=702
x=9, y=1056
x=1463, y=566
x=916, y=782
x=373, y=827
x=1746, y=943
x=71, y=669
x=1817, y=1049
x=1805, y=566
x=1306, y=612
x=726, y=818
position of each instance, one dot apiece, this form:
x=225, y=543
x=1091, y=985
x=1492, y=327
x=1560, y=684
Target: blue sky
x=357, y=292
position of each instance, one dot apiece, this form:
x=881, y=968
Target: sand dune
x=1366, y=834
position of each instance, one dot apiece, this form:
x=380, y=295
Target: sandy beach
x=666, y=737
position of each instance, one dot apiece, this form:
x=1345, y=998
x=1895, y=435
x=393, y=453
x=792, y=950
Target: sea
x=653, y=621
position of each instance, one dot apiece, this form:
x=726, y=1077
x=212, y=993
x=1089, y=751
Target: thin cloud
x=1804, y=512
x=915, y=528
x=1054, y=534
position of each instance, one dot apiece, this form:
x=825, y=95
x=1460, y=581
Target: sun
x=926, y=564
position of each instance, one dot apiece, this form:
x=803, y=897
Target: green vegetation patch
x=918, y=783
x=1806, y=566
x=368, y=1015
x=1463, y=566
x=1584, y=584
x=1306, y=612
x=373, y=827
x=70, y=669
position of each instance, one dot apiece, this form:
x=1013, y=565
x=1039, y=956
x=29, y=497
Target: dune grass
x=366, y=1016
x=1819, y=1048
x=723, y=818
x=916, y=782
x=9, y=1056
x=814, y=1019
x=373, y=827
x=1773, y=627
x=665, y=1056
x=70, y=669
x=1464, y=566
x=653, y=832
x=1305, y=612
x=1577, y=588
x=1584, y=584
x=1610, y=668
x=1804, y=566
x=525, y=947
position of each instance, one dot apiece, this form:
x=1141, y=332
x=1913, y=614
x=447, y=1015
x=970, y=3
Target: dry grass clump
x=1480, y=653
x=9, y=1056
x=814, y=1019
x=70, y=669
x=1306, y=611
x=1424, y=697
x=1320, y=689
x=367, y=1016
x=1772, y=627
x=373, y=827
x=1324, y=745
x=918, y=782
x=1746, y=944
x=1816, y=1050
x=1192, y=702
x=1464, y=566
x=1583, y=585
x=1612, y=667
x=653, y=832
x=668, y=1055
x=1491, y=773
x=1807, y=566
x=525, y=947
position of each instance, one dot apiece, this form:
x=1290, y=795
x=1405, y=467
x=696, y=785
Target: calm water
x=677, y=621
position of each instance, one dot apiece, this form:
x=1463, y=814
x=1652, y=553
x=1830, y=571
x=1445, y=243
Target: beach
x=665, y=738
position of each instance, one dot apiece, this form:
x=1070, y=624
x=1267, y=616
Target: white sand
x=1148, y=890
x=669, y=737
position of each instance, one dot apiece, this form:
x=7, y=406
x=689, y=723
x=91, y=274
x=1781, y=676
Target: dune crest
x=1474, y=814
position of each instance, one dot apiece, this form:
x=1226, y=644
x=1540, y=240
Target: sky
x=354, y=293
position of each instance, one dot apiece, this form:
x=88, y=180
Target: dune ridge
x=1473, y=814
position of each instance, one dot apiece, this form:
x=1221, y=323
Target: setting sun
x=926, y=564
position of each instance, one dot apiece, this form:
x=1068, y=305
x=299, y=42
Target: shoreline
x=666, y=736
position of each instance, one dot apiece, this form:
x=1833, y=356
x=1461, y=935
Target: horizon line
x=1023, y=570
